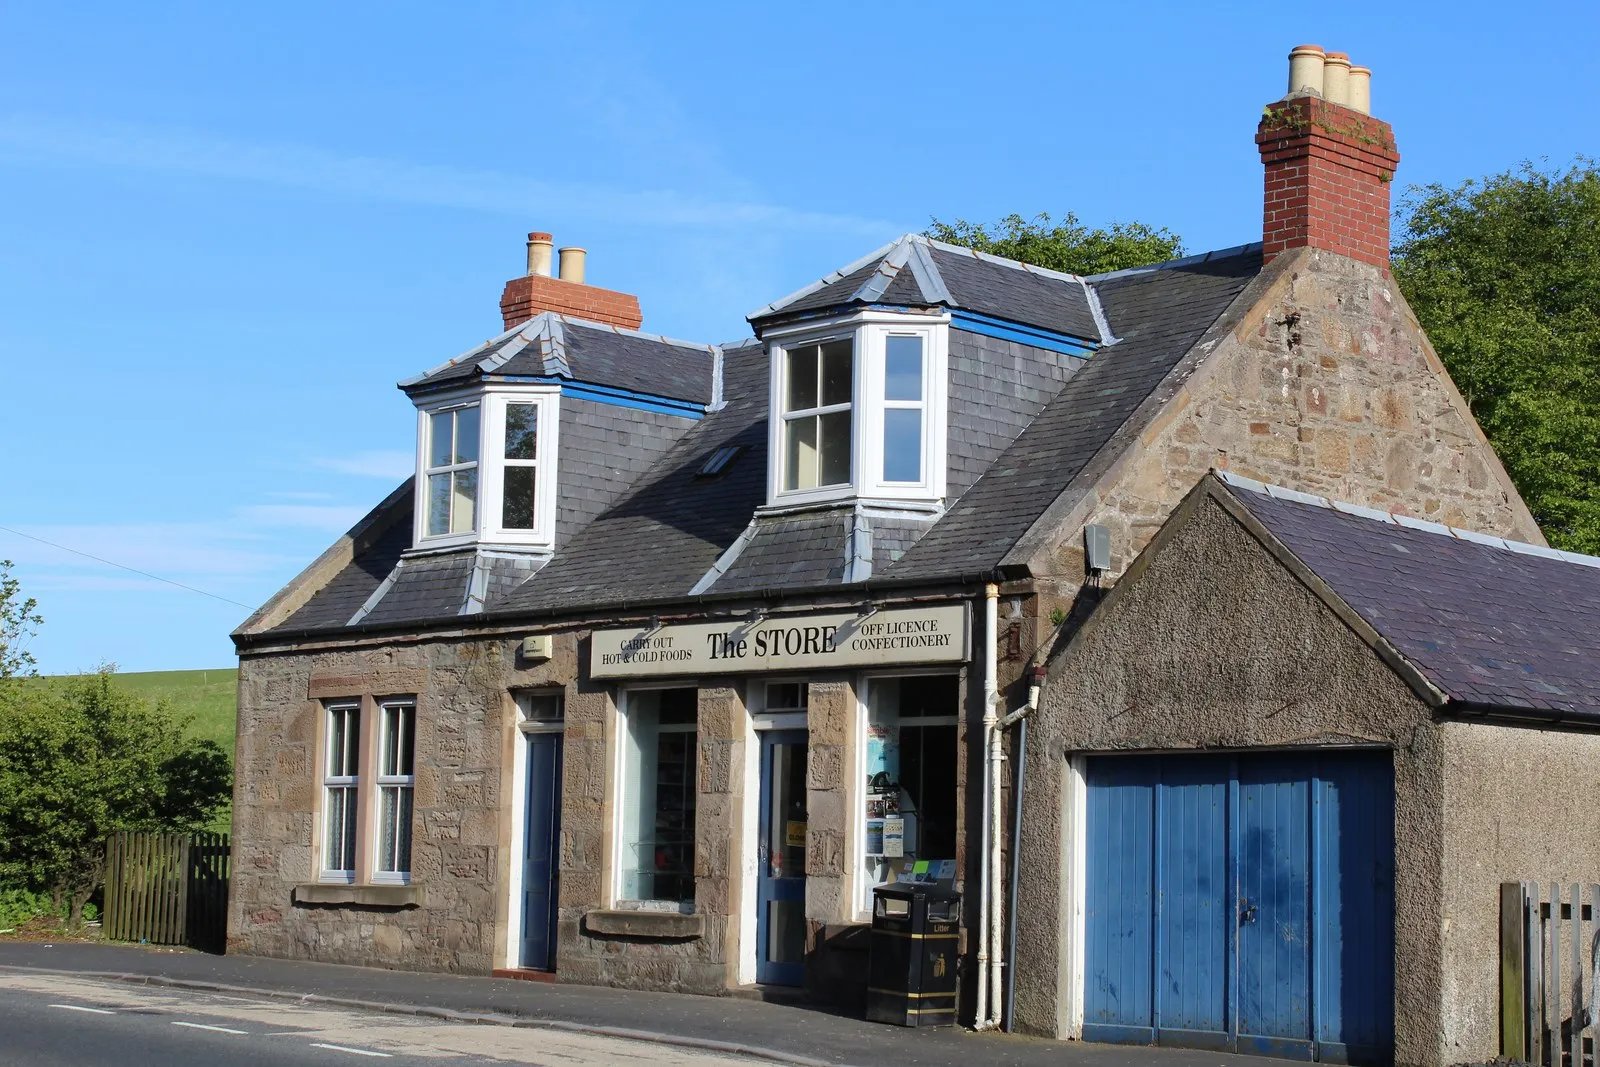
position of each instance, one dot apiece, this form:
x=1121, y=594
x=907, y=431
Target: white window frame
x=453, y=402
x=785, y=415
x=863, y=689
x=492, y=465
x=548, y=400
x=619, y=776
x=869, y=331
x=396, y=782
x=348, y=784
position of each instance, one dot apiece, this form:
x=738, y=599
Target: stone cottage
x=1283, y=828
x=668, y=653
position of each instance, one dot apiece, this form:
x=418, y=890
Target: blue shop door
x=781, y=884
x=1242, y=904
x=541, y=851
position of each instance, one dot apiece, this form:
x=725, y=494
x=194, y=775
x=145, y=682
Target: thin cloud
x=392, y=464
x=372, y=178
x=287, y=494
x=333, y=518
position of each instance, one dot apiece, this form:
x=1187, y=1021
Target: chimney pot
x=1329, y=166
x=568, y=294
x=1305, y=70
x=539, y=245
x=1361, y=89
x=572, y=264
x=1336, y=78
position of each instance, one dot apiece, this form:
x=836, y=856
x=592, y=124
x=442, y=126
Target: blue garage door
x=1242, y=903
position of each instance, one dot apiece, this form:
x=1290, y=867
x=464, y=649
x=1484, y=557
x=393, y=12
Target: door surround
x=516, y=852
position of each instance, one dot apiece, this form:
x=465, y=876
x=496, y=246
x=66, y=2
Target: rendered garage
x=1275, y=780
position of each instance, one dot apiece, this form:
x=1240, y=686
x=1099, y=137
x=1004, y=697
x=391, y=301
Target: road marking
x=79, y=1007
x=203, y=1026
x=357, y=1051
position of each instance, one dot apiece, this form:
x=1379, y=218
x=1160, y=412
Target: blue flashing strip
x=621, y=398
x=990, y=326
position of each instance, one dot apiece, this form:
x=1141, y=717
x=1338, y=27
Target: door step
x=771, y=994
x=523, y=974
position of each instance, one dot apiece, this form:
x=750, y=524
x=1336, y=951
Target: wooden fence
x=167, y=889
x=1549, y=942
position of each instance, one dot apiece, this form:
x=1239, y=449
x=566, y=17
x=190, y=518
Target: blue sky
x=228, y=230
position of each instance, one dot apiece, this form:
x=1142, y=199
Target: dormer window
x=452, y=473
x=860, y=406
x=818, y=384
x=487, y=468
x=519, y=499
x=904, y=400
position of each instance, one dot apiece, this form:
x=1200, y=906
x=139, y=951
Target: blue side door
x=781, y=883
x=1242, y=903
x=540, y=864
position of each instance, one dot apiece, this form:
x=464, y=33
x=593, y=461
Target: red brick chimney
x=1329, y=164
x=537, y=291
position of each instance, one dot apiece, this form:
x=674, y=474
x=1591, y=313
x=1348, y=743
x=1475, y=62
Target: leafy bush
x=1066, y=244
x=82, y=761
x=18, y=906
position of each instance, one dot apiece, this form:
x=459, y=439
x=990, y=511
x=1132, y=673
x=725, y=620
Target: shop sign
x=894, y=636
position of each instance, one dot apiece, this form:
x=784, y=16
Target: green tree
x=82, y=760
x=18, y=622
x=1067, y=245
x=1504, y=274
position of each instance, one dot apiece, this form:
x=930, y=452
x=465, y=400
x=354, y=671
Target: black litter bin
x=915, y=932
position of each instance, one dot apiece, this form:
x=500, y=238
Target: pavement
x=799, y=1034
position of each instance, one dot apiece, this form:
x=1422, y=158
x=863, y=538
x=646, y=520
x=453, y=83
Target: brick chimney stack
x=1329, y=164
x=537, y=291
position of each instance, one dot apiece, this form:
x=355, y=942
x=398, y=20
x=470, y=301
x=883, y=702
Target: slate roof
x=557, y=346
x=1024, y=423
x=1158, y=316
x=335, y=603
x=661, y=538
x=1490, y=623
x=916, y=271
x=788, y=551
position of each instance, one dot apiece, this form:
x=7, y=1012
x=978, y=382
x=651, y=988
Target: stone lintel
x=370, y=896
x=662, y=925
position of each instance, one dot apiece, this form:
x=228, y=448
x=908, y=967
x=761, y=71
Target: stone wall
x=1518, y=805
x=703, y=964
x=1326, y=385
x=1216, y=646
x=459, y=852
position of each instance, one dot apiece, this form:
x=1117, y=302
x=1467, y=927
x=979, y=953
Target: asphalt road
x=49, y=1020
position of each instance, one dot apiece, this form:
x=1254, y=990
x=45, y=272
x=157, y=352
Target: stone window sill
x=656, y=925
x=367, y=896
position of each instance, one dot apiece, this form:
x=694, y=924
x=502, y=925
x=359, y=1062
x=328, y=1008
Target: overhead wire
x=125, y=567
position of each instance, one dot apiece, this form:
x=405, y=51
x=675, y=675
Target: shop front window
x=658, y=796
x=910, y=793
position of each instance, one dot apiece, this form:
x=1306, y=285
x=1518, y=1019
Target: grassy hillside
x=209, y=697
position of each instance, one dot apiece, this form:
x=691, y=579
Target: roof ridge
x=606, y=327
x=989, y=257
x=889, y=268
x=1278, y=492
x=497, y=339
x=1186, y=261
x=824, y=281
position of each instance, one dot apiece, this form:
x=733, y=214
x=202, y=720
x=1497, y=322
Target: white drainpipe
x=988, y=880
